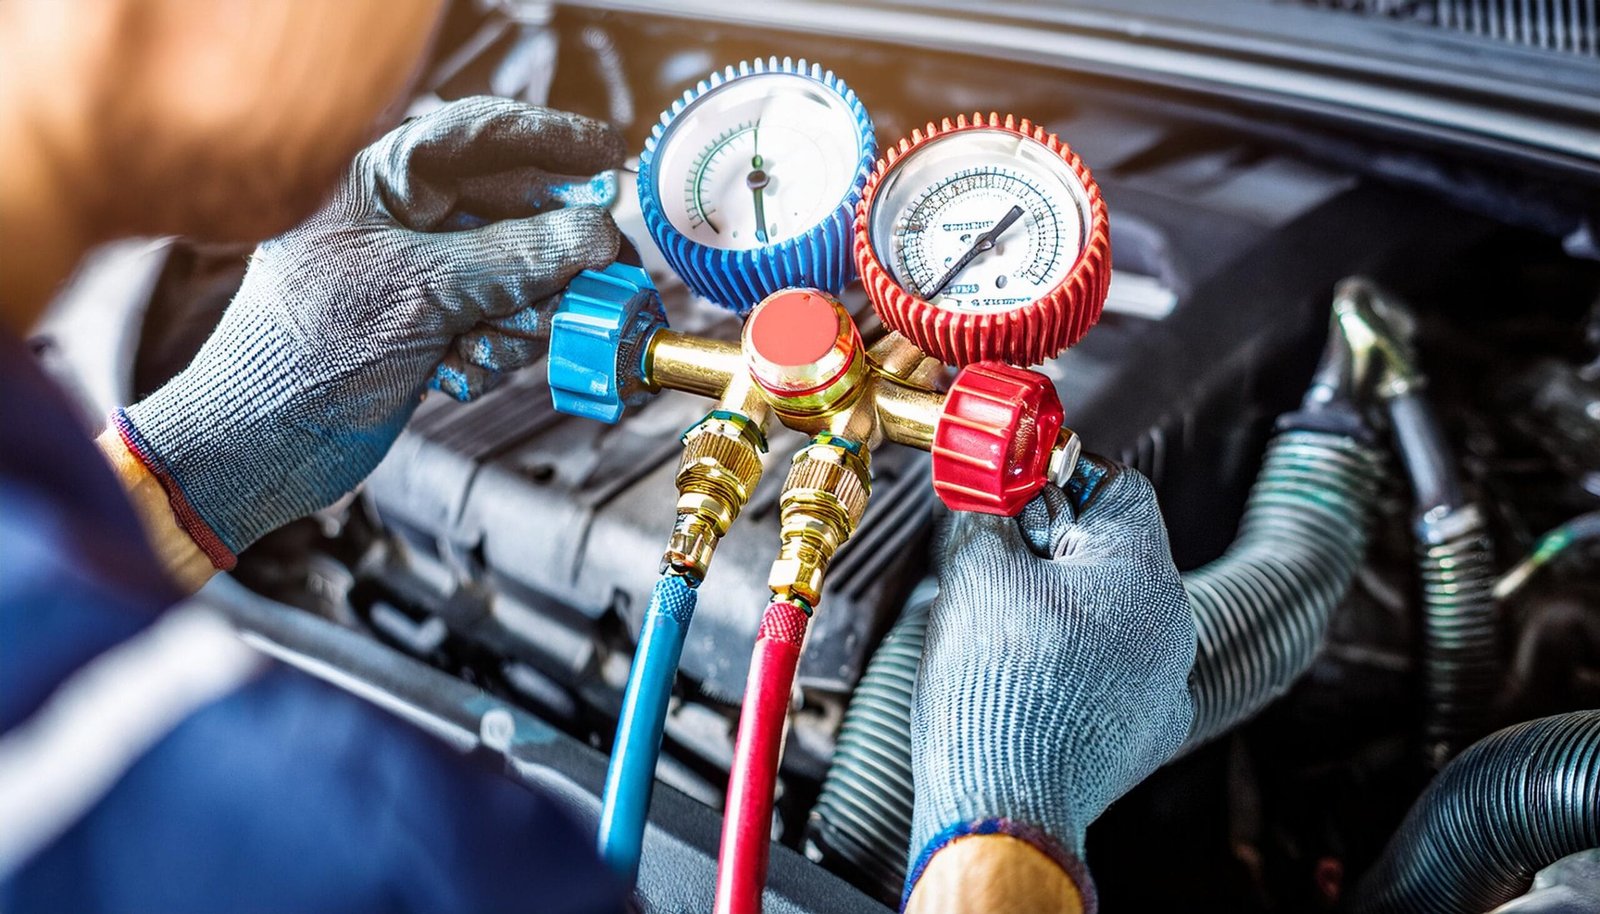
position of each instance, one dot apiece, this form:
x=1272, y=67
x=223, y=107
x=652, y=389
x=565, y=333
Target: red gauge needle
x=984, y=244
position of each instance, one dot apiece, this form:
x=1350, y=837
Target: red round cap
x=799, y=342
x=794, y=328
x=991, y=449
x=1025, y=335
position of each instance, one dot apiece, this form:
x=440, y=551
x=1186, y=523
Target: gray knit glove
x=1054, y=677
x=327, y=348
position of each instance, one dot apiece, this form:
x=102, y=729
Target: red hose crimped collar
x=783, y=621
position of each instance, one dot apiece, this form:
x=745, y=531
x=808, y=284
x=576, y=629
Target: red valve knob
x=992, y=446
x=1026, y=334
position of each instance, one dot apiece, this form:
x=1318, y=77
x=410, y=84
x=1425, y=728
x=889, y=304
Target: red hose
x=747, y=821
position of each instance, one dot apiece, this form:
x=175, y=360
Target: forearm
x=184, y=562
x=997, y=874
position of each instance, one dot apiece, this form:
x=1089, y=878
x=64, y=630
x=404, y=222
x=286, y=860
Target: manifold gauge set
x=981, y=241
x=761, y=178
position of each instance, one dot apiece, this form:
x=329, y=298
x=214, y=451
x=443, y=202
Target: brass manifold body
x=825, y=494
x=850, y=399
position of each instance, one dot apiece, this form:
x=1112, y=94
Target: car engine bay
x=505, y=552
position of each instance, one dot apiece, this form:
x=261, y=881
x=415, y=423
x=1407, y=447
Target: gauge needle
x=757, y=181
x=984, y=244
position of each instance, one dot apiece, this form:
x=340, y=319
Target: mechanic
x=233, y=120
x=1054, y=678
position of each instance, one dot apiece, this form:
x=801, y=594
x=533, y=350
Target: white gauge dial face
x=980, y=220
x=757, y=160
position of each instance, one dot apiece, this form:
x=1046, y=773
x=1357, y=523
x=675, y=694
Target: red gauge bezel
x=1025, y=335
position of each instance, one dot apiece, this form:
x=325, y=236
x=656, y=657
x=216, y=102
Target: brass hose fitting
x=720, y=467
x=823, y=500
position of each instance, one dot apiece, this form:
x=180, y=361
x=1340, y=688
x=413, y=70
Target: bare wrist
x=996, y=873
x=184, y=561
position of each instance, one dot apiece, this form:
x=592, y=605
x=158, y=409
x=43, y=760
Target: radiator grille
x=1563, y=26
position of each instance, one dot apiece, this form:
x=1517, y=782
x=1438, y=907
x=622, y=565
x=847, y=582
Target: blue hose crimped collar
x=598, y=337
x=673, y=597
x=820, y=258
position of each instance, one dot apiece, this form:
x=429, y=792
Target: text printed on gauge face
x=951, y=219
x=979, y=221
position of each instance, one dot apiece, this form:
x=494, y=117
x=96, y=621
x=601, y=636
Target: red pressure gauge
x=984, y=239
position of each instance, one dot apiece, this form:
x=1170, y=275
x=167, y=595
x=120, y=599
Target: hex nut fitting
x=717, y=473
x=823, y=500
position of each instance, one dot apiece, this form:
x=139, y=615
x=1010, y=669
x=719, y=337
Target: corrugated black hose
x=1261, y=610
x=1511, y=804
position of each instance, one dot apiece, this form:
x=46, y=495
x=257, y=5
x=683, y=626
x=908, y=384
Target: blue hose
x=625, y=805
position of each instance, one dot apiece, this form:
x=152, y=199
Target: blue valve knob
x=598, y=336
x=735, y=181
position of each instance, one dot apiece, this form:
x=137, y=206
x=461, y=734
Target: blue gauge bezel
x=738, y=279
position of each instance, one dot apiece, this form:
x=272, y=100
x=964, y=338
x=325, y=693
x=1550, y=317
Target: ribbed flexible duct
x=863, y=815
x=1261, y=610
x=1511, y=804
x=1455, y=561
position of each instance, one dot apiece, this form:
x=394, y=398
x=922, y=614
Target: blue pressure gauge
x=749, y=183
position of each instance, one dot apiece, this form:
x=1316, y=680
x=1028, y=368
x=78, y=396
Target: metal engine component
x=1559, y=407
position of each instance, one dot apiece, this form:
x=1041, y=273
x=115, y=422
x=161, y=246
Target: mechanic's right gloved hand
x=1054, y=677
x=442, y=250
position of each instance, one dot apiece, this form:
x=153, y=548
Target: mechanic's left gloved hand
x=328, y=347
x=1054, y=677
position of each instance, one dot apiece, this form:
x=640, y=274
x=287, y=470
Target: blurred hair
x=225, y=119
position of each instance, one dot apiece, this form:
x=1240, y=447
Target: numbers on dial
x=979, y=220
x=943, y=222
